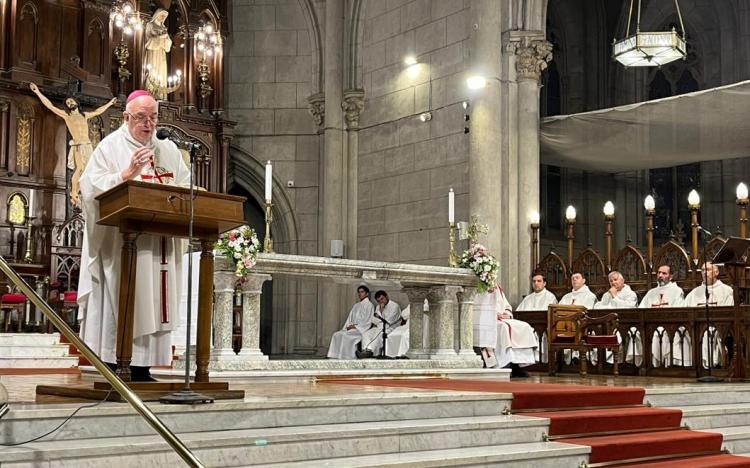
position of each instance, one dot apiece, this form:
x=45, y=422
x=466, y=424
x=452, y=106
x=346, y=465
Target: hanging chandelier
x=649, y=49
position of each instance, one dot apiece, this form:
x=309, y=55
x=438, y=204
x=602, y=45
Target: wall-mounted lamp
x=425, y=116
x=410, y=60
x=476, y=82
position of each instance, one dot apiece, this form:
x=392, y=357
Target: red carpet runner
x=611, y=420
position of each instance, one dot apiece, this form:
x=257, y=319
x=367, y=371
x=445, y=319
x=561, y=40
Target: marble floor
x=21, y=388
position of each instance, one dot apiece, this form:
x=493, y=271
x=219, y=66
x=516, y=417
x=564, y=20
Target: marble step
x=33, y=351
x=61, y=362
x=290, y=444
x=119, y=420
x=27, y=339
x=530, y=455
x=697, y=395
x=736, y=438
x=716, y=416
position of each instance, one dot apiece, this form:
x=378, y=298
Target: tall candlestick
x=451, y=206
x=32, y=202
x=269, y=180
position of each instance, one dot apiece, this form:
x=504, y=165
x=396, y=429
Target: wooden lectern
x=146, y=208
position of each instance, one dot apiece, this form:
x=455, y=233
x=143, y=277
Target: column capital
x=253, y=283
x=316, y=105
x=416, y=294
x=443, y=293
x=224, y=281
x=532, y=55
x=467, y=295
x=354, y=103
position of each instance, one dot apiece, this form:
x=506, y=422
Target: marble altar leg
x=416, y=297
x=442, y=306
x=224, y=282
x=251, y=292
x=466, y=324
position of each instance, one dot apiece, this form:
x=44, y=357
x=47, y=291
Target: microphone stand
x=709, y=336
x=187, y=395
x=385, y=337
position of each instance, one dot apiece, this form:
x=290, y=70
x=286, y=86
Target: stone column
x=224, y=281
x=486, y=137
x=416, y=296
x=354, y=103
x=251, y=291
x=331, y=304
x=466, y=324
x=532, y=54
x=442, y=307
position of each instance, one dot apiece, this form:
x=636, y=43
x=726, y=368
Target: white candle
x=451, y=206
x=32, y=202
x=269, y=180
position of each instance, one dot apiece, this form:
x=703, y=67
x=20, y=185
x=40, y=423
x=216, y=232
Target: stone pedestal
x=251, y=291
x=224, y=283
x=442, y=309
x=466, y=324
x=416, y=297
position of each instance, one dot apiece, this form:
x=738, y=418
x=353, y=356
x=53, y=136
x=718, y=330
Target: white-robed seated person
x=513, y=340
x=619, y=296
x=539, y=299
x=666, y=294
x=398, y=340
x=388, y=313
x=344, y=342
x=580, y=294
x=717, y=294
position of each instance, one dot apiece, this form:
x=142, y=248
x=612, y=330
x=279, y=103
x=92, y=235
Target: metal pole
x=115, y=381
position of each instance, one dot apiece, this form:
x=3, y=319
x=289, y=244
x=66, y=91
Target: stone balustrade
x=443, y=287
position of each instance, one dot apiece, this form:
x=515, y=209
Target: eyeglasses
x=142, y=118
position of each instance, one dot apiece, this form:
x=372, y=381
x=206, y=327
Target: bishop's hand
x=140, y=159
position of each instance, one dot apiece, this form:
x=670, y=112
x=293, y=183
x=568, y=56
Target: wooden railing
x=671, y=340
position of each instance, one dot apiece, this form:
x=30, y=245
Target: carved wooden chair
x=10, y=302
x=569, y=327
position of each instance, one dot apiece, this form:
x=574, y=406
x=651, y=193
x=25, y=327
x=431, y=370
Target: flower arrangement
x=484, y=265
x=242, y=246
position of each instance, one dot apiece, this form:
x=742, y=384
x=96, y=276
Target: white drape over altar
x=705, y=125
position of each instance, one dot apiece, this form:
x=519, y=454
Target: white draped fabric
x=372, y=338
x=719, y=294
x=514, y=340
x=633, y=135
x=583, y=296
x=158, y=275
x=344, y=342
x=537, y=301
x=625, y=299
x=669, y=295
x=398, y=339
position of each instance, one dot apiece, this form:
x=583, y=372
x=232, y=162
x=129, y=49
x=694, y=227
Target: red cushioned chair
x=570, y=327
x=9, y=303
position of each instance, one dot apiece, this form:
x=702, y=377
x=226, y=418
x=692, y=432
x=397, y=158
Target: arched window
x=17, y=207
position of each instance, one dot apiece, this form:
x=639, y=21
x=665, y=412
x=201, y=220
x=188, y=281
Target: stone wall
x=407, y=166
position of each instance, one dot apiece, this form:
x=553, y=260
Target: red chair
x=13, y=302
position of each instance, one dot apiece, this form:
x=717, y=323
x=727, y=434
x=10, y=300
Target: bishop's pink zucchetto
x=136, y=94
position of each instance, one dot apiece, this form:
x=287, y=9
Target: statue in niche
x=78, y=127
x=158, y=44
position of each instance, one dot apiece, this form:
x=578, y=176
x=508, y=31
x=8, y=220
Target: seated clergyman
x=344, y=342
x=619, y=295
x=666, y=294
x=388, y=310
x=580, y=294
x=540, y=298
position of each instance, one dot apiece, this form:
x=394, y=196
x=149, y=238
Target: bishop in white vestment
x=130, y=153
x=398, y=340
x=389, y=310
x=344, y=342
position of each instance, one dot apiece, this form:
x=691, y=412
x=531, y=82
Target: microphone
x=704, y=231
x=167, y=134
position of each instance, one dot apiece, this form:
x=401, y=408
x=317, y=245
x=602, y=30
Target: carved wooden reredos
x=75, y=49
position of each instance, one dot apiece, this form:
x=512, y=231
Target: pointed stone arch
x=247, y=172
x=316, y=45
